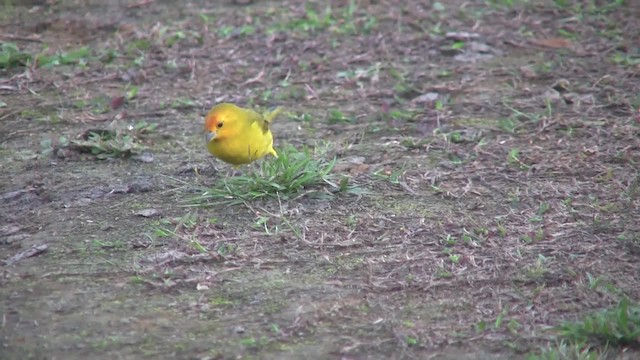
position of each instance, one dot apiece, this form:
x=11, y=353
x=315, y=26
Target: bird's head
x=218, y=124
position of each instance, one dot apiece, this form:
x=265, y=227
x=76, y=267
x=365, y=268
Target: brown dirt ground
x=497, y=142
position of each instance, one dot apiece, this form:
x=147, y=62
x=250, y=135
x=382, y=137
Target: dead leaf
x=359, y=169
x=201, y=286
x=476, y=51
x=258, y=79
x=590, y=150
x=553, y=43
x=167, y=256
x=117, y=102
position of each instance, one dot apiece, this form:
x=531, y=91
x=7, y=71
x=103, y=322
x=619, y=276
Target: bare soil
x=496, y=145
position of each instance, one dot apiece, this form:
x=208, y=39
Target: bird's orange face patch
x=210, y=123
x=213, y=125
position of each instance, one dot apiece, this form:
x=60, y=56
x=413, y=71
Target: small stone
x=426, y=98
x=187, y=169
x=81, y=202
x=33, y=251
x=12, y=194
x=107, y=227
x=552, y=96
x=461, y=35
x=16, y=238
x=64, y=153
x=97, y=193
x=358, y=160
x=562, y=85
x=148, y=212
x=126, y=321
x=6, y=230
x=145, y=157
x=140, y=243
x=120, y=189
x=201, y=286
x=141, y=185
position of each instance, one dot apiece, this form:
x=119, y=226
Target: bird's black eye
x=219, y=125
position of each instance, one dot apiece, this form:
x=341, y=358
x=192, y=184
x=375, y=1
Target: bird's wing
x=263, y=121
x=255, y=119
x=270, y=115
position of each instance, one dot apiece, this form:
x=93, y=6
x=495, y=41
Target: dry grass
x=485, y=189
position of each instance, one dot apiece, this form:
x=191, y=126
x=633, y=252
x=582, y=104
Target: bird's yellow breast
x=239, y=136
x=246, y=146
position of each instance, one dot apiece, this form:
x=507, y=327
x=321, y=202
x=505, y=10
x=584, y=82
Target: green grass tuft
x=565, y=351
x=11, y=56
x=293, y=174
x=590, y=338
x=617, y=326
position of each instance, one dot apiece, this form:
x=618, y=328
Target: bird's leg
x=224, y=170
x=212, y=167
x=254, y=167
x=234, y=171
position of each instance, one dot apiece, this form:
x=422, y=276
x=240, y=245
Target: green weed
x=294, y=173
x=565, y=351
x=79, y=56
x=590, y=338
x=335, y=116
x=513, y=158
x=183, y=104
x=344, y=20
x=108, y=143
x=624, y=59
x=612, y=327
x=11, y=56
x=231, y=31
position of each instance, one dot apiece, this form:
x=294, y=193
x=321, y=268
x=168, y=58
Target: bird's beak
x=211, y=135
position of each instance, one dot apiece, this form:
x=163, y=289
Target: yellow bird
x=239, y=136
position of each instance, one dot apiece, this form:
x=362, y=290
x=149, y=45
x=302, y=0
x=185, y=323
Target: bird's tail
x=270, y=115
x=273, y=152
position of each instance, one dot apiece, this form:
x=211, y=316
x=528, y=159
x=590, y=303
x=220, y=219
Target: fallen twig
x=19, y=38
x=32, y=251
x=140, y=4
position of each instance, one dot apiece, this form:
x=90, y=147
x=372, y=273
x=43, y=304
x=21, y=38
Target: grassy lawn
x=455, y=180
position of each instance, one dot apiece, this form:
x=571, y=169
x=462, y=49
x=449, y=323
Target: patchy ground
x=485, y=190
